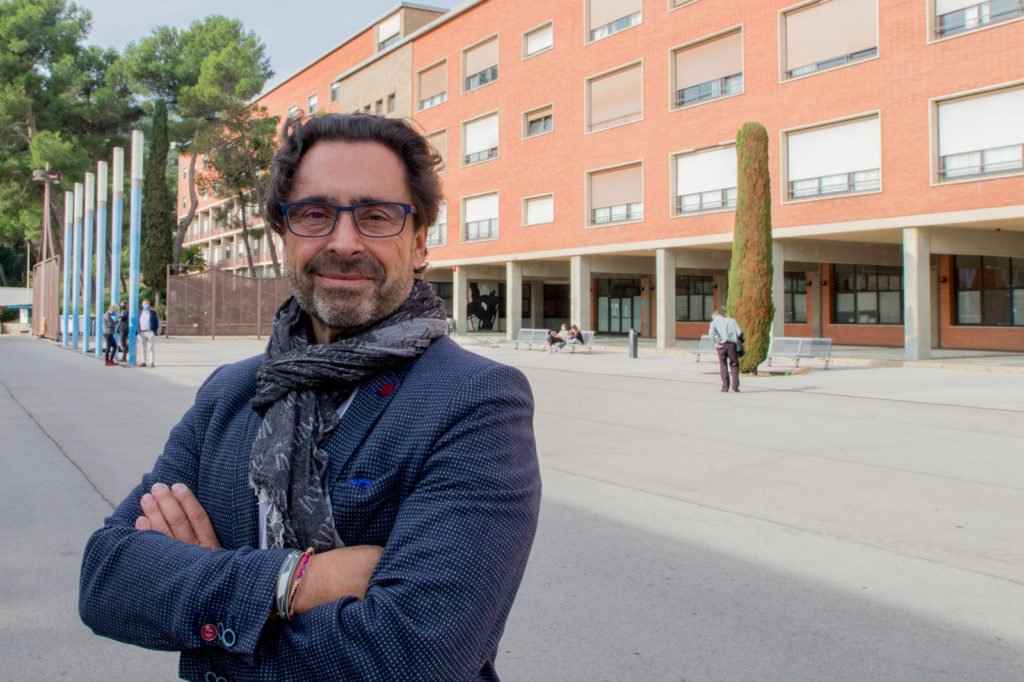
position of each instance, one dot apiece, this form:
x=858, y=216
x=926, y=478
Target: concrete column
x=917, y=300
x=779, y=288
x=579, y=292
x=513, y=298
x=817, y=304
x=460, y=288
x=665, y=297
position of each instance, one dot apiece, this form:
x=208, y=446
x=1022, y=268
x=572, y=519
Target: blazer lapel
x=361, y=416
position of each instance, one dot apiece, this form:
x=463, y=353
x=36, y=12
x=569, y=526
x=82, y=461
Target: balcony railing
x=839, y=183
x=482, y=229
x=618, y=213
x=619, y=120
x=706, y=201
x=611, y=27
x=730, y=85
x=833, y=62
x=975, y=16
x=481, y=78
x=982, y=162
x=482, y=155
x=434, y=100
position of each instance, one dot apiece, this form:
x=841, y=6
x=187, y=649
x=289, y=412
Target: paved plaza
x=859, y=523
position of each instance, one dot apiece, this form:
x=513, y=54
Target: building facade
x=590, y=165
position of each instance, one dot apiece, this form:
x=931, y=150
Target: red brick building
x=590, y=161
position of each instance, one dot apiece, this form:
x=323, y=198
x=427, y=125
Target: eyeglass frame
x=408, y=209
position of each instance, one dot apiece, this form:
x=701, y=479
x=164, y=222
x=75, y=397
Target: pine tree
x=750, y=271
x=157, y=207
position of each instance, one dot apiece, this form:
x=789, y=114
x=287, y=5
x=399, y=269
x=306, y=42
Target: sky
x=295, y=32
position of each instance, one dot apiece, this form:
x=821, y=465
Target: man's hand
x=338, y=573
x=176, y=513
x=718, y=345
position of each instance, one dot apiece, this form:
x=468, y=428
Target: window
x=437, y=233
x=837, y=159
x=539, y=210
x=957, y=16
x=480, y=139
x=538, y=122
x=439, y=141
x=391, y=103
x=709, y=70
x=981, y=135
x=311, y=103
x=989, y=291
x=695, y=298
x=795, y=288
x=335, y=92
x=538, y=40
x=615, y=98
x=616, y=195
x=378, y=108
x=292, y=111
x=706, y=181
x=868, y=294
x=828, y=34
x=433, y=85
x=389, y=31
x=481, y=217
x=605, y=17
x=556, y=301
x=480, y=65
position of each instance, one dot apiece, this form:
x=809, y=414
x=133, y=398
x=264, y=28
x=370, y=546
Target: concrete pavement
x=860, y=523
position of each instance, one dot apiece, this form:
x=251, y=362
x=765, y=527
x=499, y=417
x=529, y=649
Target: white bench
x=798, y=348
x=531, y=337
x=587, y=343
x=705, y=346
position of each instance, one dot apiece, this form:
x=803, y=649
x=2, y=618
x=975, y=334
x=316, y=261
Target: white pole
x=136, y=244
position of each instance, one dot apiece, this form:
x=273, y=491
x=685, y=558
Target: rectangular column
x=513, y=298
x=536, y=304
x=579, y=292
x=917, y=300
x=460, y=288
x=779, y=288
x=665, y=297
x=817, y=304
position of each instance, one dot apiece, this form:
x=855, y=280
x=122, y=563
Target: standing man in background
x=726, y=333
x=149, y=327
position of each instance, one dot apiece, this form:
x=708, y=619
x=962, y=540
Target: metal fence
x=217, y=302
x=46, y=298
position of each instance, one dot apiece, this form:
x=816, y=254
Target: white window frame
x=586, y=96
x=462, y=152
x=312, y=100
x=526, y=121
x=527, y=200
x=526, y=35
x=784, y=66
x=462, y=217
x=587, y=31
x=462, y=65
x=419, y=98
x=588, y=199
x=674, y=180
x=674, y=77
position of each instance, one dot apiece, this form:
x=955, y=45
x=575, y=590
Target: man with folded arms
x=359, y=502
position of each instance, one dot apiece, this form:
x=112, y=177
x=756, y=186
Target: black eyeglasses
x=318, y=219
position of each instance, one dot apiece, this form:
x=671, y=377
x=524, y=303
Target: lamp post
x=47, y=177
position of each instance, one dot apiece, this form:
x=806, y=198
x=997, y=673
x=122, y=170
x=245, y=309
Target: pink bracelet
x=298, y=578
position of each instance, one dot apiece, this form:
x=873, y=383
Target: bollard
x=634, y=342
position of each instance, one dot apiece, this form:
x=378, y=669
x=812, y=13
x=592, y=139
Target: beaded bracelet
x=298, y=578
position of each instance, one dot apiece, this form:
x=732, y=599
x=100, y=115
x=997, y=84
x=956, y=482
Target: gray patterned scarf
x=299, y=388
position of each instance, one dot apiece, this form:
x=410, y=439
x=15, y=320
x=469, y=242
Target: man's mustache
x=332, y=264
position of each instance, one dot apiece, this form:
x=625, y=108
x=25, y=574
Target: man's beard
x=347, y=310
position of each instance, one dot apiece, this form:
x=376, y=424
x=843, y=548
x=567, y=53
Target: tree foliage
x=206, y=74
x=61, y=103
x=750, y=271
x=157, y=206
x=238, y=165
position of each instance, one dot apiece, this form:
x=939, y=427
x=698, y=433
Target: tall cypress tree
x=750, y=271
x=157, y=207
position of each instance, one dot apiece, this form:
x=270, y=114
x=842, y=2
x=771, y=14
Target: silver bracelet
x=284, y=579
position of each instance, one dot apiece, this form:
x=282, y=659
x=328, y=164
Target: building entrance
x=618, y=305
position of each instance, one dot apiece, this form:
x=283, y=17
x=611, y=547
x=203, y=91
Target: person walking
x=109, y=325
x=149, y=326
x=726, y=333
x=122, y=331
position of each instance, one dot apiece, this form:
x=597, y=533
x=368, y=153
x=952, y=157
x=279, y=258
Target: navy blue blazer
x=447, y=445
